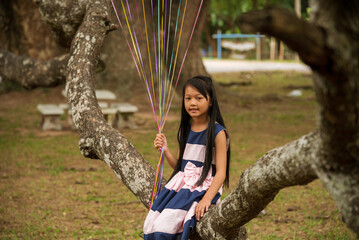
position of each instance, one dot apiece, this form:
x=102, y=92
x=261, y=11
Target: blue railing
x=219, y=36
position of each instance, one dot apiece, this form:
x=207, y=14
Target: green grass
x=48, y=190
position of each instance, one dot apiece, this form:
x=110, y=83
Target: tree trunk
x=298, y=11
x=297, y=8
x=211, y=41
x=337, y=91
x=194, y=65
x=263, y=46
x=255, y=4
x=272, y=49
x=23, y=32
x=331, y=49
x=281, y=51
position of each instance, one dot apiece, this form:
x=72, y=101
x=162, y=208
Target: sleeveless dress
x=172, y=215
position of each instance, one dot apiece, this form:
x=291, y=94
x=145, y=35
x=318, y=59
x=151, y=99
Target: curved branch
x=31, y=73
x=63, y=17
x=303, y=37
x=282, y=167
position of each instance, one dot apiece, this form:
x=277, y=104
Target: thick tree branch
x=337, y=92
x=31, y=73
x=303, y=37
x=282, y=167
x=63, y=17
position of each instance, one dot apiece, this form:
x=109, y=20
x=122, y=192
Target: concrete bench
x=51, y=114
x=66, y=107
x=105, y=95
x=109, y=115
x=125, y=115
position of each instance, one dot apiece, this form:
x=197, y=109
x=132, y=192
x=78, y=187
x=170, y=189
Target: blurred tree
x=224, y=15
x=24, y=32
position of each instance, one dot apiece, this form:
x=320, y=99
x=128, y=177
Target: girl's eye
x=186, y=98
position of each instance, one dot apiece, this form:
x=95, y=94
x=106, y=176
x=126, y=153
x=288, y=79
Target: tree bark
x=63, y=17
x=211, y=41
x=282, y=167
x=193, y=65
x=337, y=91
x=30, y=73
x=305, y=38
x=23, y=32
x=330, y=46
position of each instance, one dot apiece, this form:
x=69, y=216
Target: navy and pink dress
x=172, y=215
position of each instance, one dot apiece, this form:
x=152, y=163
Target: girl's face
x=195, y=103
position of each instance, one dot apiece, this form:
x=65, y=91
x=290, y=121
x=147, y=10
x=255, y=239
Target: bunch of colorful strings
x=161, y=88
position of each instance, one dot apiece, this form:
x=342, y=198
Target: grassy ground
x=48, y=190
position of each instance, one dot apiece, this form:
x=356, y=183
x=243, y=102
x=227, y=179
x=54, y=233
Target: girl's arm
x=221, y=165
x=161, y=143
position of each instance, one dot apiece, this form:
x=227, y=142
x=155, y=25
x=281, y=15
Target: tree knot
x=87, y=149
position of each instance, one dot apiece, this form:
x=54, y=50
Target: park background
x=48, y=190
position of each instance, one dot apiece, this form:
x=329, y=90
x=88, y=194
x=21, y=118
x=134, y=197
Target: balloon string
x=178, y=44
x=184, y=58
x=164, y=78
x=154, y=40
x=135, y=36
x=167, y=20
x=139, y=52
x=159, y=172
x=134, y=60
x=158, y=179
x=148, y=47
x=170, y=65
x=168, y=43
x=131, y=35
x=159, y=55
x=135, y=46
x=163, y=27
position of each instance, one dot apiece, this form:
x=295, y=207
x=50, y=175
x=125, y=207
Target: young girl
x=200, y=169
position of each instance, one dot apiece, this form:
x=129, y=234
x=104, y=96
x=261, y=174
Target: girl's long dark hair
x=204, y=86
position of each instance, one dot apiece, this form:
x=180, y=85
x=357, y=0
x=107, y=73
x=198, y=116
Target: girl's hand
x=201, y=208
x=160, y=142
